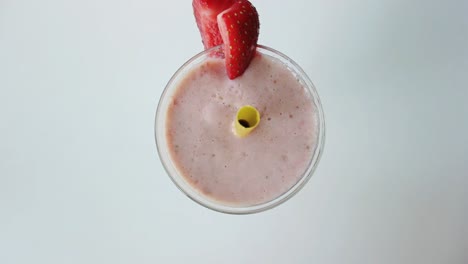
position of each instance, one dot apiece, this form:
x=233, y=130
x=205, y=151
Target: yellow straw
x=247, y=120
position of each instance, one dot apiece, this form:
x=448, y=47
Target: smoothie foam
x=241, y=171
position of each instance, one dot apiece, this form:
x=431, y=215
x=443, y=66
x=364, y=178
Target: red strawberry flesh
x=233, y=23
x=239, y=28
x=205, y=12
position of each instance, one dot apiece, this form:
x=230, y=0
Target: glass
x=178, y=179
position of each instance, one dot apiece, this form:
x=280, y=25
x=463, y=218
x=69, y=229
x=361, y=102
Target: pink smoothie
x=241, y=171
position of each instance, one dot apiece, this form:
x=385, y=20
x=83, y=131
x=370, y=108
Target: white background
x=81, y=182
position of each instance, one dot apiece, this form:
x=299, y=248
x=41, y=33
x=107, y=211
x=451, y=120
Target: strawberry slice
x=232, y=22
x=239, y=27
x=205, y=12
